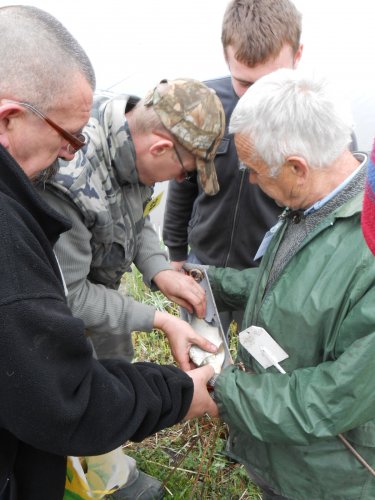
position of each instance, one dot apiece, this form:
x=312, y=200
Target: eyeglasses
x=188, y=175
x=75, y=141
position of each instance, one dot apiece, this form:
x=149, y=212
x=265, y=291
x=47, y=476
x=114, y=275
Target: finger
x=200, y=309
x=212, y=409
x=204, y=344
x=207, y=372
x=184, y=362
x=192, y=366
x=183, y=303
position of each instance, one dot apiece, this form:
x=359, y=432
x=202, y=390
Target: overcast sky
x=135, y=43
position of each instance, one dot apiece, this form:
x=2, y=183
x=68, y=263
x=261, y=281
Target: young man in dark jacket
x=258, y=37
x=56, y=399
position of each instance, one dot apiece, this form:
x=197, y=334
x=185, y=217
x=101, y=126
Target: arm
x=152, y=263
x=105, y=310
x=231, y=287
x=150, y=258
x=58, y=397
x=102, y=309
x=178, y=210
x=313, y=402
x=55, y=395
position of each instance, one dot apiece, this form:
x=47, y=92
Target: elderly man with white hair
x=314, y=294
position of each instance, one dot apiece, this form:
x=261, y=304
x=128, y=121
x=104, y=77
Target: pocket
x=223, y=146
x=364, y=435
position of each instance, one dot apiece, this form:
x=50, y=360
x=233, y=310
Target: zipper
x=234, y=218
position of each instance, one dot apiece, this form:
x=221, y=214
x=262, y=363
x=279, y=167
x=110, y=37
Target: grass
x=189, y=458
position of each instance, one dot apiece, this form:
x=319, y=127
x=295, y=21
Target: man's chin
x=44, y=175
x=279, y=204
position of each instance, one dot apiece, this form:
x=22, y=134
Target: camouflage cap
x=194, y=115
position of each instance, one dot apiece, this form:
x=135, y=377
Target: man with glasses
x=106, y=191
x=74, y=141
x=56, y=399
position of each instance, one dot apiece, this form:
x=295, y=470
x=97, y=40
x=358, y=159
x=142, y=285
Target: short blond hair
x=258, y=29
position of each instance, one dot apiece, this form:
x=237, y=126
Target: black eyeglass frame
x=76, y=142
x=188, y=175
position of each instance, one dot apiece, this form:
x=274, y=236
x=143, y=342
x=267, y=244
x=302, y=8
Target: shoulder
x=220, y=85
x=224, y=90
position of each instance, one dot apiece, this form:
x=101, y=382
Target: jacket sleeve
x=231, y=287
x=102, y=309
x=60, y=399
x=55, y=396
x=178, y=212
x=150, y=258
x=309, y=403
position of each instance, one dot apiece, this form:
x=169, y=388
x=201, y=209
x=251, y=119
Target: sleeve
x=102, y=309
x=150, y=258
x=60, y=399
x=314, y=402
x=178, y=211
x=231, y=287
x=55, y=396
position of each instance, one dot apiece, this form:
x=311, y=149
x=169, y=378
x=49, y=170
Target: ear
x=297, y=56
x=160, y=147
x=299, y=168
x=7, y=111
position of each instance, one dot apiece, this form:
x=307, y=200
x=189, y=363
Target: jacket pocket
x=364, y=435
x=223, y=146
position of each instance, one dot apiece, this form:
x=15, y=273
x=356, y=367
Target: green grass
x=189, y=458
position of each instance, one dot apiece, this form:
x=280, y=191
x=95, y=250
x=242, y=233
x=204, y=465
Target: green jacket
x=321, y=310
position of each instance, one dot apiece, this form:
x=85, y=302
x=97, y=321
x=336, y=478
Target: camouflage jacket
x=101, y=184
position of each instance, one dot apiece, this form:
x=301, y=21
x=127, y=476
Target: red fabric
x=368, y=211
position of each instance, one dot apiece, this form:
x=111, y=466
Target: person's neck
x=325, y=180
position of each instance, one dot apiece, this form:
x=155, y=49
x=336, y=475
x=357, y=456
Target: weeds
x=189, y=458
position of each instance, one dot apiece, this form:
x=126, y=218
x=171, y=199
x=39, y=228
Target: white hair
x=288, y=113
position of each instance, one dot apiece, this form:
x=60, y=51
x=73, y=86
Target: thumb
x=207, y=372
x=204, y=344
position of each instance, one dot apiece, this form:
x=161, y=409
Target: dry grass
x=188, y=458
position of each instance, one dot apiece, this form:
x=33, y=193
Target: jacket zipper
x=234, y=219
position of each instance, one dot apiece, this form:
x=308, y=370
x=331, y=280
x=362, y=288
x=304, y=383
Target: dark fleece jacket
x=56, y=400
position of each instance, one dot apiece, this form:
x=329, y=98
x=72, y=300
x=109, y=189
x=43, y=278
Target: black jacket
x=56, y=400
x=224, y=230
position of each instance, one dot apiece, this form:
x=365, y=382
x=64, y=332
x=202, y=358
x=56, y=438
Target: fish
x=211, y=333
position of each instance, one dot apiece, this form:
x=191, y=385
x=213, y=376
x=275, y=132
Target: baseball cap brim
x=207, y=176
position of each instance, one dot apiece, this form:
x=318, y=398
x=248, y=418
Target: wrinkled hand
x=181, y=337
x=202, y=402
x=183, y=289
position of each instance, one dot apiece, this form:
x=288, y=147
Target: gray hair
x=38, y=57
x=289, y=113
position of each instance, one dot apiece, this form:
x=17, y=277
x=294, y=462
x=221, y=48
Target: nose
x=66, y=153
